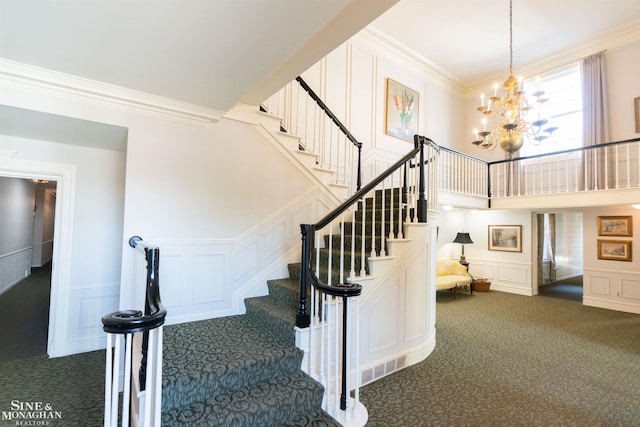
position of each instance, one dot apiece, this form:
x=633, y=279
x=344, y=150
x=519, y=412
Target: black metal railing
x=311, y=271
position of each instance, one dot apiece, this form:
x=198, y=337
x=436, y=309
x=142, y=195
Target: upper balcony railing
x=610, y=166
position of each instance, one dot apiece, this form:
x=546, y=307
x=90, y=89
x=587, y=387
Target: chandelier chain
x=511, y=106
x=510, y=37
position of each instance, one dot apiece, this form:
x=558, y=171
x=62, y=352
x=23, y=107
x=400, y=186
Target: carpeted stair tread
x=211, y=357
x=286, y=291
x=314, y=419
x=270, y=314
x=275, y=402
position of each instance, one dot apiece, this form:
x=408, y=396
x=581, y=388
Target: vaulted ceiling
x=216, y=53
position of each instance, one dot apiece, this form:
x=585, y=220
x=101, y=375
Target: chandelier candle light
x=512, y=106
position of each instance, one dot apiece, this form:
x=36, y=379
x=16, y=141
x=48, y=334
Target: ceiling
x=468, y=40
x=216, y=53
x=210, y=53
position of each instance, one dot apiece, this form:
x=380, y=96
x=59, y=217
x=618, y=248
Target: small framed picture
x=616, y=250
x=615, y=226
x=402, y=111
x=506, y=238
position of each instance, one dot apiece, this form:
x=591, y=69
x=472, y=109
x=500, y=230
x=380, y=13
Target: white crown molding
x=15, y=74
x=377, y=39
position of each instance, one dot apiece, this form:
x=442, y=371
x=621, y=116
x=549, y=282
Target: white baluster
x=108, y=381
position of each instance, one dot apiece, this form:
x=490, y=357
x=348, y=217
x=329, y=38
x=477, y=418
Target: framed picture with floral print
x=402, y=111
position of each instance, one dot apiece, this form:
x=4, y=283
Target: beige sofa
x=450, y=274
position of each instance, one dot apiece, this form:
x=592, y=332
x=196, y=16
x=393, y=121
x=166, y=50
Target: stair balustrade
x=335, y=254
x=134, y=342
x=305, y=115
x=601, y=167
x=462, y=174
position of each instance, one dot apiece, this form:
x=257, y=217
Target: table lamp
x=462, y=238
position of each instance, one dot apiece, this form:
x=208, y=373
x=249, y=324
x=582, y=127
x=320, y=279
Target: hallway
x=24, y=316
x=570, y=289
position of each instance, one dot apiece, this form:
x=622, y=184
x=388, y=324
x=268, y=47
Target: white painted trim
x=65, y=175
x=15, y=74
x=376, y=40
x=610, y=305
x=8, y=254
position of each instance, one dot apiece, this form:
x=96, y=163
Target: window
x=563, y=109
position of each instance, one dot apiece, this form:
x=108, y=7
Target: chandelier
x=511, y=106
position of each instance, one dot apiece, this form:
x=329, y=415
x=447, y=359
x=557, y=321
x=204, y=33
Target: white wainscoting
x=397, y=306
x=42, y=253
x=612, y=289
x=202, y=279
x=87, y=305
x=14, y=267
x=505, y=276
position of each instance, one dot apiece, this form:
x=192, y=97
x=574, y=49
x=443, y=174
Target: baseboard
x=610, y=305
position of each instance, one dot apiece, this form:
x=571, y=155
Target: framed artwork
x=505, y=238
x=617, y=250
x=615, y=226
x=637, y=103
x=402, y=111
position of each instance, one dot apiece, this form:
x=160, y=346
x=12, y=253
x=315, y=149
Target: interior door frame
x=65, y=177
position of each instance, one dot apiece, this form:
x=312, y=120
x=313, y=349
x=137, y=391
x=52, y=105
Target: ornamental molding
x=39, y=80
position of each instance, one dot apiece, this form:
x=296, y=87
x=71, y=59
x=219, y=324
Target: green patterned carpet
x=500, y=360
x=509, y=360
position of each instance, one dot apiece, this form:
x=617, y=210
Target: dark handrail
x=347, y=290
x=571, y=150
x=329, y=113
x=338, y=123
x=308, y=274
x=418, y=145
x=131, y=321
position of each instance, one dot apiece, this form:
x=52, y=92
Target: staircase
x=245, y=370
x=241, y=370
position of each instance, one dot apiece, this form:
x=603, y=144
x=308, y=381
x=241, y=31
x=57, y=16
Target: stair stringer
x=271, y=124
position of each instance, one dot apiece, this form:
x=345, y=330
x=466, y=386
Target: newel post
x=302, y=317
x=422, y=200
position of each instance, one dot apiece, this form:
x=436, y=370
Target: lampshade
x=462, y=238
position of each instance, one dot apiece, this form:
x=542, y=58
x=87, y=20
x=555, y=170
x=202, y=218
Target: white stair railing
x=134, y=350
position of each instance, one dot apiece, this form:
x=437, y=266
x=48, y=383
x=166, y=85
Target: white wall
x=352, y=82
x=96, y=250
x=17, y=197
x=623, y=86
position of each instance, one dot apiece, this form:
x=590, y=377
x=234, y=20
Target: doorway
x=64, y=176
x=559, y=255
x=27, y=254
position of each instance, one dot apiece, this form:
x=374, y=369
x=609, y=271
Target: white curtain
x=595, y=122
